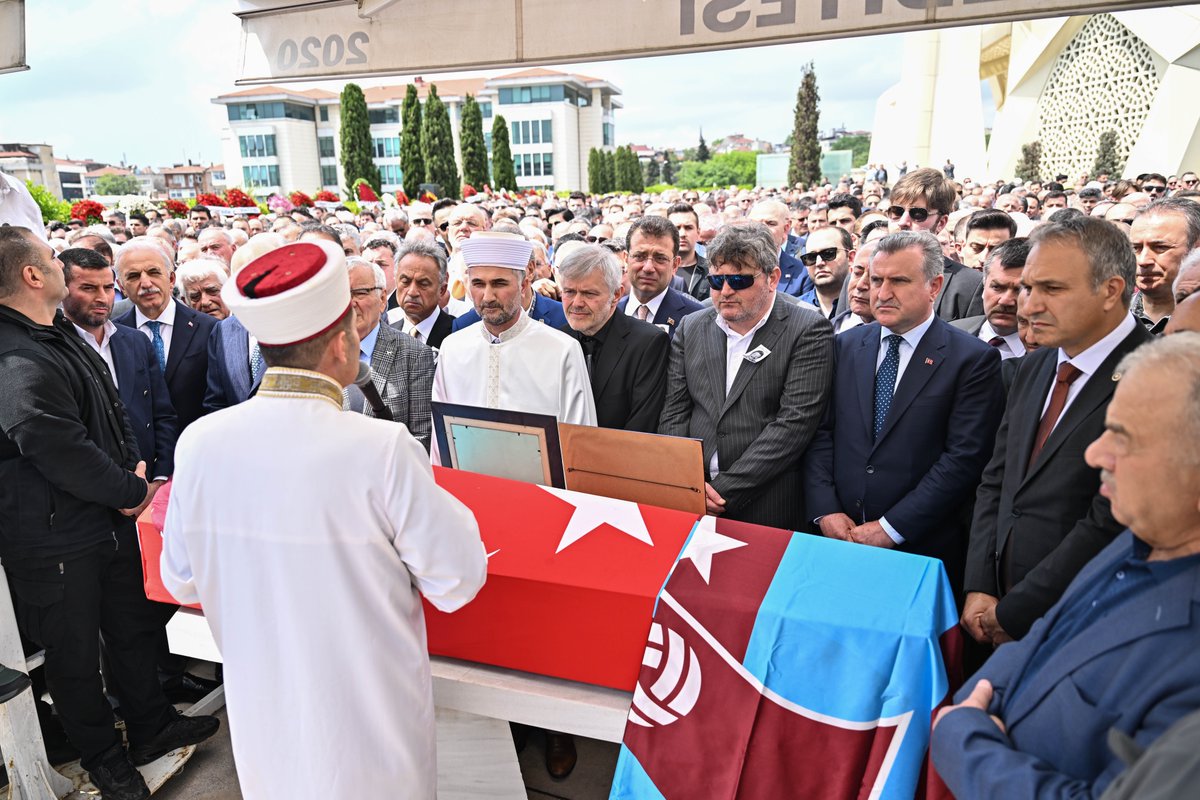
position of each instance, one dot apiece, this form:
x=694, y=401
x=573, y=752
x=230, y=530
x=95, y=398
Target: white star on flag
x=591, y=512
x=706, y=543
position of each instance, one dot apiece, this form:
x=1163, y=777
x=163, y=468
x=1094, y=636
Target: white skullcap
x=492, y=249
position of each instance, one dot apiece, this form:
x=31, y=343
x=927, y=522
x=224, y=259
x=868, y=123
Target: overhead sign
x=307, y=40
x=12, y=36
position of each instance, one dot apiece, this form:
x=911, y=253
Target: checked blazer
x=402, y=371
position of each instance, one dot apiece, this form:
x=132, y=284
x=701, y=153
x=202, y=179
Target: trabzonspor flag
x=786, y=665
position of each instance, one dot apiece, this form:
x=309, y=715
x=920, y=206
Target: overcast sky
x=133, y=80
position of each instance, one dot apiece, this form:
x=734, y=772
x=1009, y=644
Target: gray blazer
x=403, y=374
x=764, y=425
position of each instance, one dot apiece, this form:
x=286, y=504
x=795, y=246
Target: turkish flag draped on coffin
x=782, y=662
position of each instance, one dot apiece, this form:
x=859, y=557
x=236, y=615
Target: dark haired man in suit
x=653, y=247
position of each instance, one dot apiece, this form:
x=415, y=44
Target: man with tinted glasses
x=653, y=245
x=750, y=378
x=827, y=257
x=922, y=201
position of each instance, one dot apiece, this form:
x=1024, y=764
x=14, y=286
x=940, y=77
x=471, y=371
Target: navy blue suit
x=187, y=361
x=674, y=307
x=793, y=277
x=1132, y=668
x=229, y=381
x=922, y=471
x=544, y=310
x=146, y=399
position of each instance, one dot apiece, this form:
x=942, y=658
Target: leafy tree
x=437, y=140
x=860, y=145
x=412, y=159
x=53, y=209
x=668, y=168
x=804, y=166
x=721, y=170
x=628, y=173
x=1029, y=168
x=595, y=171
x=608, y=171
x=702, y=153
x=1108, y=160
x=357, y=152
x=503, y=174
x=652, y=171
x=472, y=145
x=118, y=184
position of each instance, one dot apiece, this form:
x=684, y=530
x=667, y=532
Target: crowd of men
x=962, y=371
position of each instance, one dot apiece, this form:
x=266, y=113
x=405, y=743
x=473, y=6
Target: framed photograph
x=506, y=444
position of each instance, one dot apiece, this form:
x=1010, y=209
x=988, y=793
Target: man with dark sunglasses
x=922, y=201
x=827, y=257
x=750, y=378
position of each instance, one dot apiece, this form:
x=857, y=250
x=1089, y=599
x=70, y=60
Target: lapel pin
x=191, y=324
x=929, y=362
x=1116, y=377
x=670, y=321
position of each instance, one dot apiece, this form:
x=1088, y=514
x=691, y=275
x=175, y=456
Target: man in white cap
x=304, y=532
x=510, y=361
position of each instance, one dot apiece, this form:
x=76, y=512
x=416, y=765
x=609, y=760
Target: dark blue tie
x=160, y=347
x=885, y=383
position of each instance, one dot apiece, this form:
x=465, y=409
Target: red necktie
x=1067, y=373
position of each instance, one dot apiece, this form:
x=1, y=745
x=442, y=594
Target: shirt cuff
x=892, y=533
x=163, y=478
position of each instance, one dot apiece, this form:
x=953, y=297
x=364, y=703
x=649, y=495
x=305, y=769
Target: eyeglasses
x=595, y=239
x=365, y=292
x=444, y=226
x=736, y=282
x=916, y=215
x=420, y=221
x=828, y=254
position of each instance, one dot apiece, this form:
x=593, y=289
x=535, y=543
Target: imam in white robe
x=309, y=536
x=532, y=368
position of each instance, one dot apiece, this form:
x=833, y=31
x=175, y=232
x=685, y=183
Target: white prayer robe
x=309, y=535
x=534, y=368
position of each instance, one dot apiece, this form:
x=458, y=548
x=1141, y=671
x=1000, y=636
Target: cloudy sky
x=133, y=81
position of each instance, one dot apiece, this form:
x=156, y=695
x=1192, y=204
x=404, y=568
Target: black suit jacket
x=1051, y=519
x=187, y=361
x=629, y=373
x=922, y=471
x=146, y=399
x=441, y=329
x=674, y=307
x=962, y=292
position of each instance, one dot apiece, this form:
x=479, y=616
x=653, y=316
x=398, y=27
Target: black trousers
x=66, y=607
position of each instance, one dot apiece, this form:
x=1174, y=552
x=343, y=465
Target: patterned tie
x=416, y=334
x=1067, y=373
x=160, y=347
x=256, y=363
x=885, y=383
x=643, y=313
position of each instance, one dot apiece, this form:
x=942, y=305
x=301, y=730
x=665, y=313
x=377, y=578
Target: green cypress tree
x=412, y=160
x=653, y=171
x=1108, y=160
x=503, y=174
x=804, y=166
x=471, y=144
x=635, y=171
x=595, y=172
x=668, y=168
x=608, y=171
x=1029, y=168
x=437, y=140
x=620, y=170
x=357, y=152
x=702, y=153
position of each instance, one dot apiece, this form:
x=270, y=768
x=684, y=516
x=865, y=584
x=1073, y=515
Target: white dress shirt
x=424, y=327
x=1010, y=346
x=736, y=345
x=1089, y=361
x=654, y=303
x=102, y=347
x=850, y=322
x=167, y=318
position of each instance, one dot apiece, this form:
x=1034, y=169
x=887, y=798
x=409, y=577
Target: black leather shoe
x=116, y=778
x=179, y=732
x=12, y=683
x=189, y=688
x=560, y=754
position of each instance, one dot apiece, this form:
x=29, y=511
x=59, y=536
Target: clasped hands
x=840, y=526
x=979, y=619
x=151, y=490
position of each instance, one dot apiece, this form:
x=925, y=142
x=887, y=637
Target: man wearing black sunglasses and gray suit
x=750, y=378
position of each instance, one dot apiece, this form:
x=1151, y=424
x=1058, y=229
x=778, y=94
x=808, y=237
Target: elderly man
x=827, y=255
x=380, y=250
x=794, y=278
x=1001, y=286
x=750, y=379
x=248, y=527
x=464, y=220
x=913, y=415
x=1038, y=518
x=857, y=291
x=74, y=484
x=179, y=334
x=533, y=367
x=217, y=243
x=653, y=258
x=1162, y=234
x=199, y=283
x=421, y=276
x=401, y=367
x=626, y=358
x=1118, y=651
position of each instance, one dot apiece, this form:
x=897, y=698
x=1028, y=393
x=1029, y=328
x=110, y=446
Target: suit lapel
x=714, y=361
x=766, y=336
x=237, y=357
x=668, y=311
x=123, y=365
x=611, y=353
x=866, y=355
x=925, y=361
x=383, y=357
x=181, y=338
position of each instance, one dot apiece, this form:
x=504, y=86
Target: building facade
x=282, y=139
x=31, y=162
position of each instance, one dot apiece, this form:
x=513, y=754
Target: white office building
x=283, y=139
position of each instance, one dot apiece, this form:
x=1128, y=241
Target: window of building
x=260, y=175
x=608, y=134
x=487, y=141
x=386, y=147
x=251, y=111
x=547, y=163
x=537, y=94
x=383, y=116
x=324, y=113
x=485, y=109
x=525, y=137
x=325, y=146
x=258, y=146
x=547, y=126
x=390, y=174
x=329, y=175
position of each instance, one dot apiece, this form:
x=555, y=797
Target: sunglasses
x=828, y=254
x=595, y=239
x=736, y=282
x=423, y=222
x=915, y=214
x=444, y=226
x=1154, y=189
